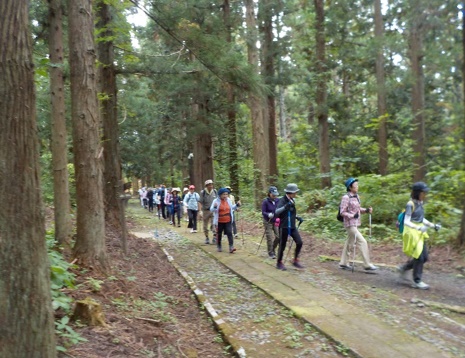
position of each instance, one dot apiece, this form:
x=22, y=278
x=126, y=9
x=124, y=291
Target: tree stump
x=90, y=312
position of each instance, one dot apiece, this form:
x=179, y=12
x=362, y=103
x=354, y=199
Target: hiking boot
x=214, y=240
x=207, y=240
x=272, y=255
x=192, y=231
x=280, y=266
x=297, y=264
x=219, y=249
x=371, y=268
x=232, y=249
x=420, y=285
x=402, y=272
x=345, y=267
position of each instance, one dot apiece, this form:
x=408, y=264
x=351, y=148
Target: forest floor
x=151, y=312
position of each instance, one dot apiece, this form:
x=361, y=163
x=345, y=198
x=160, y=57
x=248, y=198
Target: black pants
x=417, y=264
x=283, y=234
x=163, y=209
x=192, y=214
x=227, y=229
x=150, y=204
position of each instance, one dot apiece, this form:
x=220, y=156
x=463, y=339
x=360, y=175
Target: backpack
x=339, y=217
x=401, y=218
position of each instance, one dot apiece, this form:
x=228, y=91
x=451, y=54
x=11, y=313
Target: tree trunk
x=113, y=188
x=461, y=236
x=416, y=55
x=88, y=161
x=381, y=90
x=27, y=327
x=321, y=96
x=256, y=106
x=231, y=112
x=203, y=150
x=268, y=55
x=61, y=198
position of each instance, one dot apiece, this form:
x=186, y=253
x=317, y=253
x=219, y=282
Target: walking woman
x=351, y=210
x=191, y=201
x=223, y=217
x=414, y=235
x=268, y=213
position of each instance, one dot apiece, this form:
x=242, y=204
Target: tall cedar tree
x=61, y=197
x=257, y=108
x=381, y=90
x=88, y=158
x=113, y=188
x=461, y=236
x=26, y=316
x=321, y=96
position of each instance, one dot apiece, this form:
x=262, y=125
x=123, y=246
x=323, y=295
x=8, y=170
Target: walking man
x=191, y=201
x=268, y=212
x=286, y=212
x=351, y=210
x=207, y=195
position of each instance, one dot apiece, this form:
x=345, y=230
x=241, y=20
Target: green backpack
x=401, y=218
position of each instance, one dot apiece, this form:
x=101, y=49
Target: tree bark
x=256, y=104
x=321, y=96
x=113, y=187
x=268, y=55
x=461, y=236
x=203, y=149
x=231, y=113
x=26, y=316
x=61, y=198
x=416, y=55
x=90, y=242
x=383, y=154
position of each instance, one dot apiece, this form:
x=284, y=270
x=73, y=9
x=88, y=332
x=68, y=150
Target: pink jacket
x=350, y=205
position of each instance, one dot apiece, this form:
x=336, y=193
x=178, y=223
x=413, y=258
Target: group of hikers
x=217, y=211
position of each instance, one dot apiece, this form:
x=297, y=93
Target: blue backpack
x=401, y=218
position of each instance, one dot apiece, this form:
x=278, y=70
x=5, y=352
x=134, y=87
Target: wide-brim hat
x=176, y=189
x=291, y=188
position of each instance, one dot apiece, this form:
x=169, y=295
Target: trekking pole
x=242, y=229
x=369, y=225
x=258, y=249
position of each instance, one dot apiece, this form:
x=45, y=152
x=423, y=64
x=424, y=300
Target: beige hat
x=176, y=189
x=209, y=181
x=185, y=189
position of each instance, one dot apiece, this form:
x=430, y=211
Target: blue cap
x=222, y=191
x=349, y=182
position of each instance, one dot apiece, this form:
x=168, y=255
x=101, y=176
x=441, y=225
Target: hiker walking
x=162, y=194
x=414, y=235
x=268, y=212
x=286, y=212
x=350, y=209
x=207, y=195
x=223, y=217
x=233, y=201
x=150, y=195
x=191, y=202
x=176, y=206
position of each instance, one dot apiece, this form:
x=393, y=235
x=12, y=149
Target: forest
x=249, y=93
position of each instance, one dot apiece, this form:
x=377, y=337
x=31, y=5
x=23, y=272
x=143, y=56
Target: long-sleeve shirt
x=350, y=206
x=285, y=213
x=269, y=206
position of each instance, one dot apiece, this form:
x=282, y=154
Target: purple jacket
x=269, y=206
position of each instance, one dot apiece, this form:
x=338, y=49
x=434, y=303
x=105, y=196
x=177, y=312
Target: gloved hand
x=289, y=205
x=270, y=216
x=423, y=228
x=299, y=219
x=437, y=227
x=356, y=215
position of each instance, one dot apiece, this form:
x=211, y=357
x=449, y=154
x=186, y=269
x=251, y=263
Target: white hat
x=185, y=189
x=209, y=181
x=176, y=189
